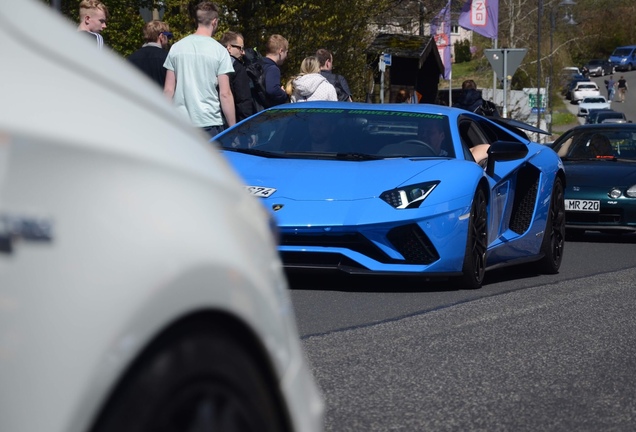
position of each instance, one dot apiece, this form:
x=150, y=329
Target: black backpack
x=256, y=74
x=487, y=109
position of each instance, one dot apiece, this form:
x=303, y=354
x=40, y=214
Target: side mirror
x=501, y=151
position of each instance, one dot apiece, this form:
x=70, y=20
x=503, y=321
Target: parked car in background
x=615, y=120
x=599, y=67
x=140, y=285
x=592, y=103
x=584, y=89
x=571, y=71
x=571, y=83
x=605, y=115
x=623, y=58
x=600, y=167
x=394, y=189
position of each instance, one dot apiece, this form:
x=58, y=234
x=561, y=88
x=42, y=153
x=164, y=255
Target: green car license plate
x=582, y=205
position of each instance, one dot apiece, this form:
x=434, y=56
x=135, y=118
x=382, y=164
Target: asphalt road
x=525, y=352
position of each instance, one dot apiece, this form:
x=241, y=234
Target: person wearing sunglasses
x=152, y=54
x=239, y=81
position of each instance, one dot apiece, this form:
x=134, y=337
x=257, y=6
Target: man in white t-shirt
x=196, y=65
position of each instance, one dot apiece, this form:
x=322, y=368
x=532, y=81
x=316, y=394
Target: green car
x=600, y=170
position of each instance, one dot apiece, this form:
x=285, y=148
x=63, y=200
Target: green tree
x=462, y=51
x=341, y=27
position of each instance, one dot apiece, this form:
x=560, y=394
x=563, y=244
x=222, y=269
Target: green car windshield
x=342, y=133
x=599, y=144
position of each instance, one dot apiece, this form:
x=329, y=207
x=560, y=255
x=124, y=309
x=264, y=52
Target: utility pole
x=539, y=14
x=422, y=12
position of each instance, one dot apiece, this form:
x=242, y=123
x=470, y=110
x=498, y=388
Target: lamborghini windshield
x=598, y=144
x=350, y=134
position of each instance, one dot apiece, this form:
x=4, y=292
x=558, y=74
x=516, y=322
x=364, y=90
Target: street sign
x=387, y=59
x=508, y=58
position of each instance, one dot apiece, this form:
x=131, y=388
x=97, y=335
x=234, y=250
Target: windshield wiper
x=246, y=150
x=357, y=156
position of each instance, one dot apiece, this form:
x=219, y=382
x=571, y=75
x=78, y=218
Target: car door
x=475, y=131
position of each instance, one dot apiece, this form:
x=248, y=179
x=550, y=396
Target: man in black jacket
x=276, y=50
x=471, y=100
x=239, y=81
x=325, y=58
x=151, y=56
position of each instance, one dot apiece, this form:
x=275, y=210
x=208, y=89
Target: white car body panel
x=583, y=90
x=592, y=102
x=147, y=222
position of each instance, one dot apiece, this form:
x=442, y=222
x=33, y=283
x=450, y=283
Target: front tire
x=554, y=234
x=474, y=268
x=200, y=380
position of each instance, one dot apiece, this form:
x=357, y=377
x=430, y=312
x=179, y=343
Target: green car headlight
x=615, y=193
x=408, y=196
x=631, y=192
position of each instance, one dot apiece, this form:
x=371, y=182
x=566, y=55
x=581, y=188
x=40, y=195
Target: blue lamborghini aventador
x=402, y=189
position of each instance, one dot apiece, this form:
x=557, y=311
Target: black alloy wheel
x=474, y=268
x=554, y=234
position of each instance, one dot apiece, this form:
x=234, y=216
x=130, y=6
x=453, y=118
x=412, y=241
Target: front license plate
x=582, y=205
x=260, y=191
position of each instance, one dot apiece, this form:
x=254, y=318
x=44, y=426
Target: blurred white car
x=584, y=89
x=140, y=286
x=592, y=103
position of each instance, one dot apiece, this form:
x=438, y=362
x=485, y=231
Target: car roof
x=610, y=113
x=605, y=126
x=427, y=108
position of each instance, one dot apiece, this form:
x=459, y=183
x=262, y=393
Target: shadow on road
x=398, y=283
x=598, y=237
x=364, y=283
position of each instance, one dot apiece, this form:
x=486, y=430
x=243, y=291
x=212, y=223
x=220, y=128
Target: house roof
x=407, y=46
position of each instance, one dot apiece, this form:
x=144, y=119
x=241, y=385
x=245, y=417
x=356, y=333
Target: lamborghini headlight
x=407, y=197
x=631, y=192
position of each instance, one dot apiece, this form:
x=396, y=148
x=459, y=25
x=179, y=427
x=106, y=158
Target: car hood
x=600, y=173
x=310, y=180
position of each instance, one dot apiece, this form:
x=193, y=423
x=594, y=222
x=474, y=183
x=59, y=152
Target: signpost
x=382, y=68
x=505, y=62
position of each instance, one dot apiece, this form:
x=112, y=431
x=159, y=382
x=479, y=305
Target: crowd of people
x=207, y=80
x=209, y=83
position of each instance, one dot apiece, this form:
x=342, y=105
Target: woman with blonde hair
x=310, y=85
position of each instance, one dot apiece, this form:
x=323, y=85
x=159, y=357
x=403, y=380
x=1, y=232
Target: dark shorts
x=213, y=130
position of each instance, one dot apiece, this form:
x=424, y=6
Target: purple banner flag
x=481, y=16
x=440, y=30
